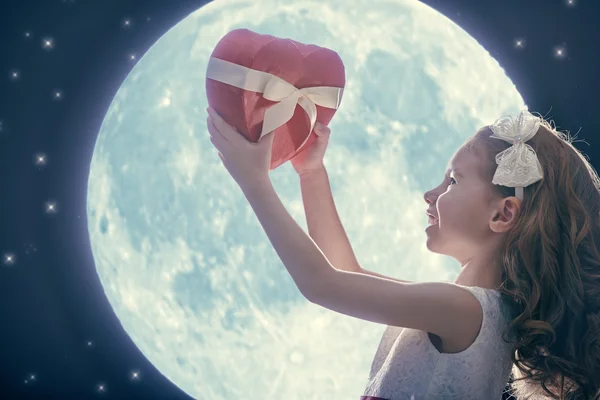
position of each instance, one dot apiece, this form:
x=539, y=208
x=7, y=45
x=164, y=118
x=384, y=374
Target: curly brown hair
x=551, y=270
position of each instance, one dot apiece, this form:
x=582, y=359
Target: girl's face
x=462, y=203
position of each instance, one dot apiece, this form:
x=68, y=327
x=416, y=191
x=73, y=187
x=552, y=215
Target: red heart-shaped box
x=301, y=65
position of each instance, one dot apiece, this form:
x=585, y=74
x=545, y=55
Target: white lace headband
x=518, y=166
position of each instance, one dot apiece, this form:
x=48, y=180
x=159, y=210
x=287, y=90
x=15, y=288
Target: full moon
x=182, y=258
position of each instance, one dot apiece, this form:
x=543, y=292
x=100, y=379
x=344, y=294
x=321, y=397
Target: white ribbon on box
x=276, y=89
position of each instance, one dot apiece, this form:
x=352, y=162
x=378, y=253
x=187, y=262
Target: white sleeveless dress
x=408, y=367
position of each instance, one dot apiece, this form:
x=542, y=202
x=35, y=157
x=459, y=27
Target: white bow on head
x=518, y=166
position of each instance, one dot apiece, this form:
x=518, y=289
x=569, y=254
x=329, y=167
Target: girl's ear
x=507, y=214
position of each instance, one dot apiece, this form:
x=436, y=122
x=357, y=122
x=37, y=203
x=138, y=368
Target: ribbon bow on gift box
x=276, y=89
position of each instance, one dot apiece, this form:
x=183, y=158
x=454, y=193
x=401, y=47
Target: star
x=135, y=376
x=127, y=23
x=101, y=388
x=519, y=43
x=9, y=259
x=560, y=52
x=51, y=208
x=14, y=75
x=27, y=34
x=30, y=248
x=89, y=343
x=57, y=94
x=40, y=159
x=48, y=43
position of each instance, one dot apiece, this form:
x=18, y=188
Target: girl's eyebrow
x=455, y=171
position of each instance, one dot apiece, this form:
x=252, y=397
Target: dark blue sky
x=55, y=321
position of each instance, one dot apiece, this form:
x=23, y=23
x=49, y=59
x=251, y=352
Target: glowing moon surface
x=182, y=258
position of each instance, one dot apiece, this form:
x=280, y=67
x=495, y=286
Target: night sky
x=62, y=62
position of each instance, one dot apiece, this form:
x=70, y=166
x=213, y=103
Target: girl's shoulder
x=494, y=305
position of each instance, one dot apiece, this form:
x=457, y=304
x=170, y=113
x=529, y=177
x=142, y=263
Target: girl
x=518, y=208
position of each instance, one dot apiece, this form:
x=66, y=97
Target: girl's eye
x=452, y=179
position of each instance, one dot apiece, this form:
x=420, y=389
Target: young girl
x=530, y=261
x=518, y=208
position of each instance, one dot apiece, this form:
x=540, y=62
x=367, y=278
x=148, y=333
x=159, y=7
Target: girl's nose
x=427, y=197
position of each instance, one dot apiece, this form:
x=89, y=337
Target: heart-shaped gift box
x=260, y=83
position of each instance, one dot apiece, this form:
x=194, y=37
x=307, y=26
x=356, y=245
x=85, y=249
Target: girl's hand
x=311, y=157
x=248, y=163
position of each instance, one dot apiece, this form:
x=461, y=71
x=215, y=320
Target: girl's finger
x=216, y=138
x=320, y=129
x=213, y=129
x=216, y=143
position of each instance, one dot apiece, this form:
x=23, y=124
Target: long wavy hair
x=551, y=270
